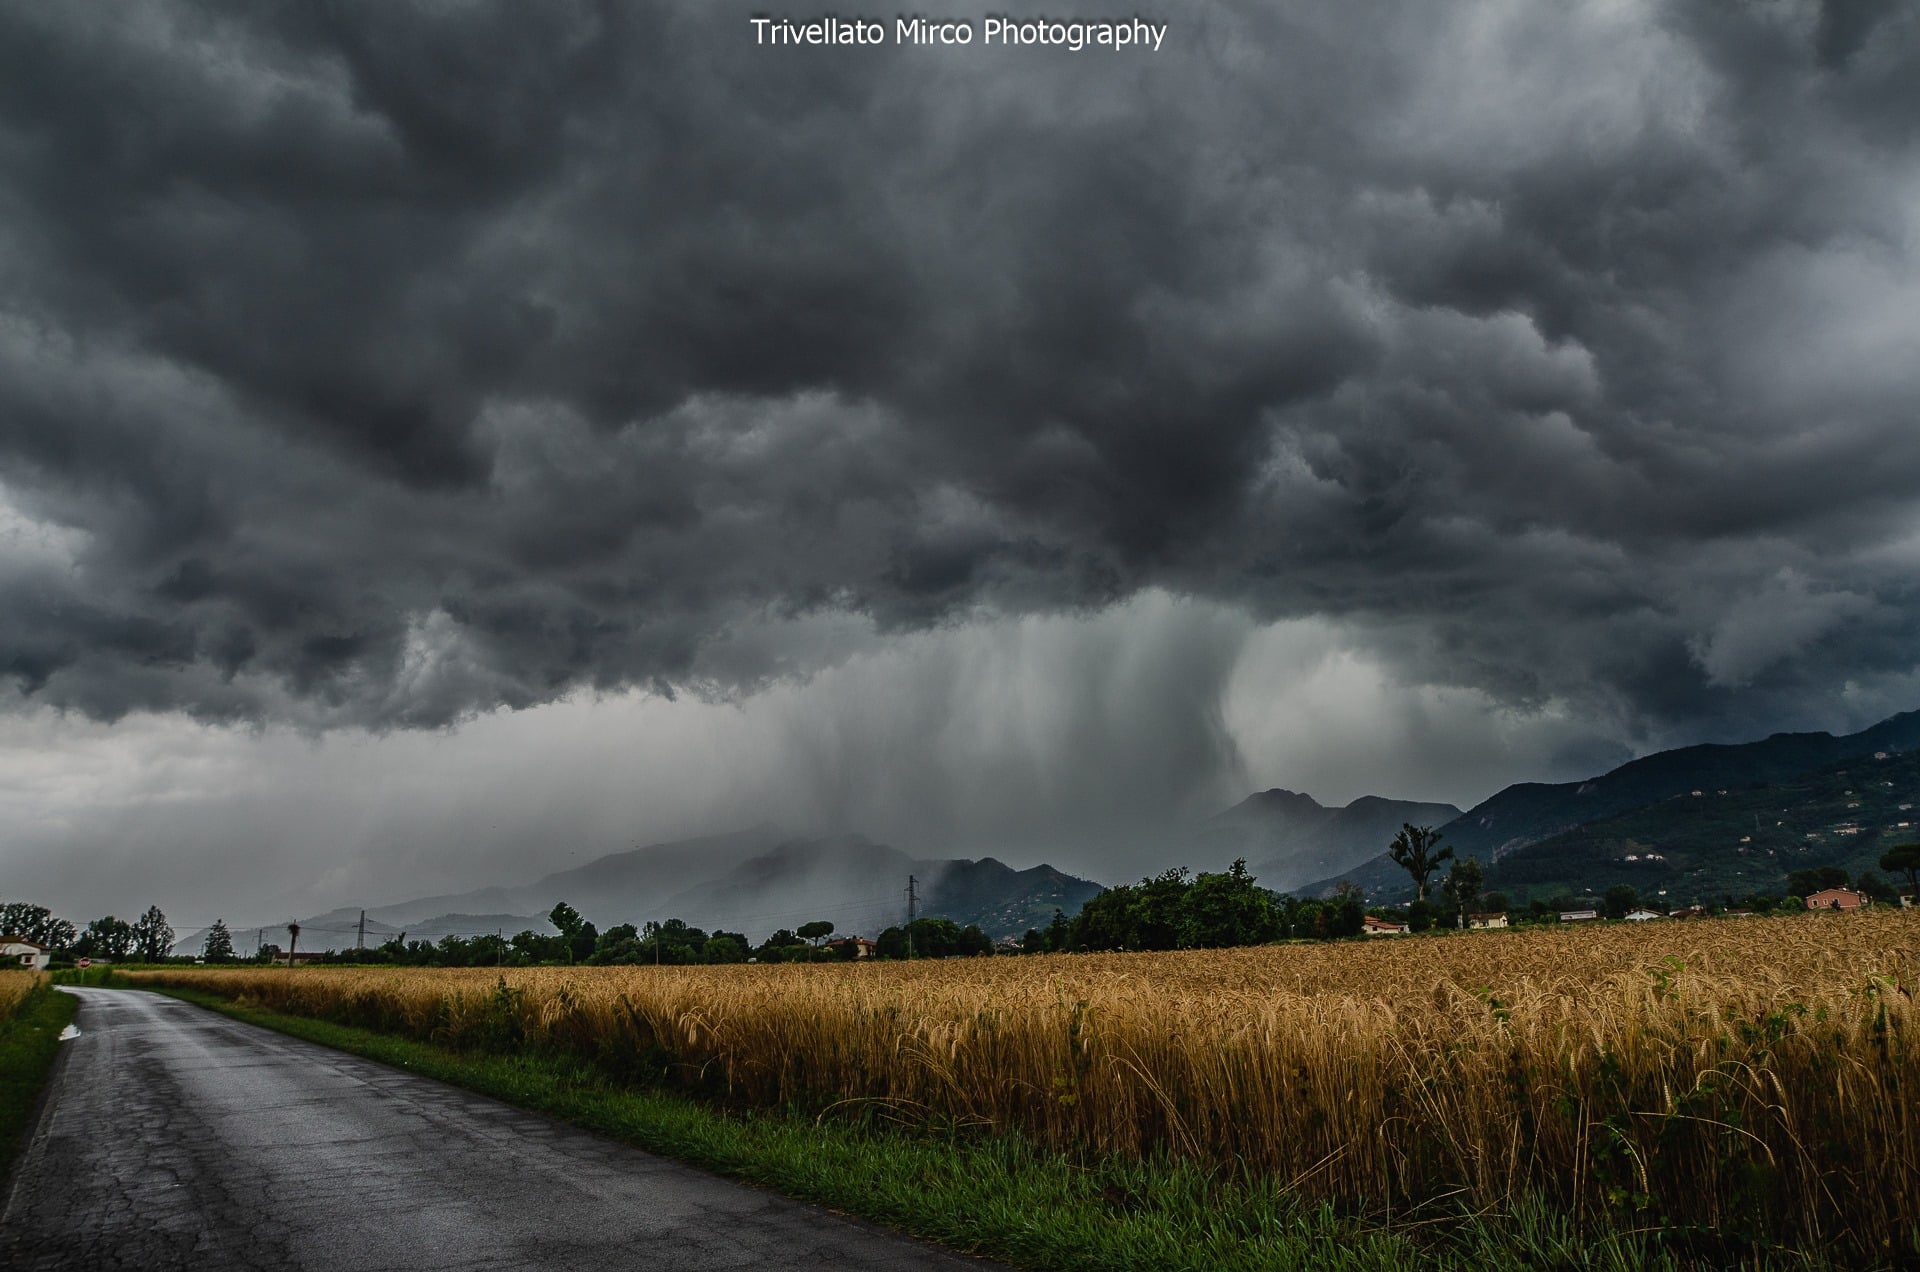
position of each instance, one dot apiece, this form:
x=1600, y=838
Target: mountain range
x=753, y=881
x=1719, y=819
x=1695, y=823
x=1289, y=839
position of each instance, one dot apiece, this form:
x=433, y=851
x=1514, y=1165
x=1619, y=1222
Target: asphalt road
x=177, y=1138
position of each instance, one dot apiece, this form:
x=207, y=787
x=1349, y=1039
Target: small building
x=1688, y=912
x=1489, y=920
x=1374, y=925
x=18, y=951
x=853, y=947
x=1578, y=916
x=1642, y=915
x=1838, y=899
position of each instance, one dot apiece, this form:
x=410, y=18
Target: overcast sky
x=443, y=443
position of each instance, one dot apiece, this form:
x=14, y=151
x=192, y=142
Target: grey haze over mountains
x=429, y=433
x=1289, y=839
x=761, y=879
x=753, y=881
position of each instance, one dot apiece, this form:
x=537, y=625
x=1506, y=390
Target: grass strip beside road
x=29, y=1041
x=997, y=1196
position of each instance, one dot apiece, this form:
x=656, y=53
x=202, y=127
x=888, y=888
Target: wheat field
x=15, y=985
x=1757, y=1076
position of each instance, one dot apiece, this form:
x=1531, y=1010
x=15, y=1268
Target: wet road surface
x=177, y=1138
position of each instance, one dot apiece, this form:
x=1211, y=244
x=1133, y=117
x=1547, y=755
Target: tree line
x=1177, y=910
x=148, y=938
x=1172, y=910
x=670, y=942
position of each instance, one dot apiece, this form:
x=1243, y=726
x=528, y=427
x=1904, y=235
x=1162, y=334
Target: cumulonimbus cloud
x=376, y=366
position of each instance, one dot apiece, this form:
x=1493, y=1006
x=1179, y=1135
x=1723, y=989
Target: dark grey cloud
x=378, y=365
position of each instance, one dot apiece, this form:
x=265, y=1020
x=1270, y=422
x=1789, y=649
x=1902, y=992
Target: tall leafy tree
x=107, y=937
x=577, y=936
x=1416, y=849
x=1227, y=909
x=1059, y=933
x=1462, y=888
x=218, y=947
x=1812, y=879
x=566, y=919
x=618, y=944
x=815, y=932
x=1903, y=858
x=152, y=935
x=932, y=938
x=36, y=923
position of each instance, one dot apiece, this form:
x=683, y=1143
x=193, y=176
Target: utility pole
x=911, y=899
x=259, y=941
x=360, y=942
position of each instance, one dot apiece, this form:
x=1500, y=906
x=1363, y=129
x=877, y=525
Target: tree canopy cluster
x=149, y=938
x=577, y=941
x=932, y=938
x=672, y=942
x=1177, y=911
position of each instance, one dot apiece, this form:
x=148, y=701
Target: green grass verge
x=29, y=1041
x=1001, y=1197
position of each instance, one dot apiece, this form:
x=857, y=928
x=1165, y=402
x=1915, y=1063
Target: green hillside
x=1717, y=842
x=1532, y=812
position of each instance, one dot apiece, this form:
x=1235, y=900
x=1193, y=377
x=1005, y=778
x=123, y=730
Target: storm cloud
x=371, y=366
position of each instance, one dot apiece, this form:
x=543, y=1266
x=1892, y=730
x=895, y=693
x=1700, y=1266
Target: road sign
x=85, y=962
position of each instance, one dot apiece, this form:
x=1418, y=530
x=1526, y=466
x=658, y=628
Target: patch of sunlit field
x=1753, y=1075
x=15, y=985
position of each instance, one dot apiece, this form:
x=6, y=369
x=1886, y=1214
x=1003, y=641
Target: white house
x=1578, y=916
x=1641, y=916
x=17, y=951
x=1486, y=921
x=1373, y=925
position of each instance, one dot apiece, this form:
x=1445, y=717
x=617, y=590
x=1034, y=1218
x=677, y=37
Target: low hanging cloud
x=372, y=366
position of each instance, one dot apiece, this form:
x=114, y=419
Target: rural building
x=861, y=947
x=1578, y=916
x=20, y=952
x=1374, y=925
x=1481, y=922
x=1688, y=912
x=1641, y=916
x=1838, y=899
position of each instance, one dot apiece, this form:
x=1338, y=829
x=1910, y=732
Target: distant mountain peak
x=1290, y=837
x=1278, y=798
